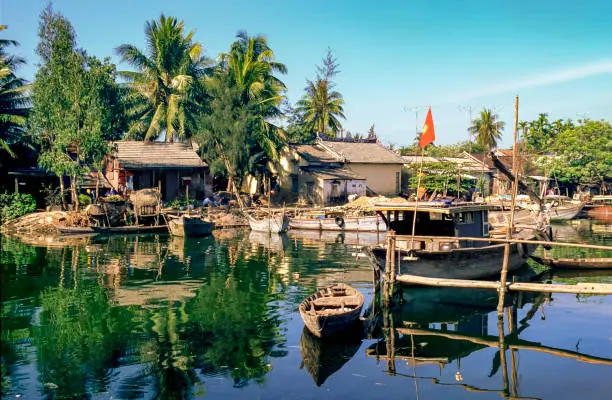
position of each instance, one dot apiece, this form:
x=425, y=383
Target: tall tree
x=487, y=129
x=166, y=89
x=371, y=132
x=246, y=94
x=13, y=102
x=321, y=105
x=72, y=115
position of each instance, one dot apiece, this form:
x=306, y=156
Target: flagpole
x=416, y=205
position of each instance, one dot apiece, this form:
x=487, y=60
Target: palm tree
x=13, y=103
x=487, y=129
x=321, y=107
x=166, y=88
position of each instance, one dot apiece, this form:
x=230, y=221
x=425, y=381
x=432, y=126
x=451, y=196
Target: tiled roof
x=332, y=173
x=362, y=151
x=141, y=155
x=314, y=153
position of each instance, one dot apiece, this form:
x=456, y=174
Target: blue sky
x=393, y=55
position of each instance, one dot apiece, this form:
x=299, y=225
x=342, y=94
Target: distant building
x=171, y=166
x=329, y=170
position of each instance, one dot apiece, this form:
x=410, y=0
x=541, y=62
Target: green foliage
x=321, y=105
x=75, y=101
x=583, y=154
x=441, y=177
x=444, y=150
x=15, y=205
x=237, y=135
x=167, y=87
x=13, y=101
x=52, y=195
x=540, y=134
x=84, y=199
x=487, y=129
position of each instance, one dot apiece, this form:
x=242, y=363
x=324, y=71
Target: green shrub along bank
x=14, y=205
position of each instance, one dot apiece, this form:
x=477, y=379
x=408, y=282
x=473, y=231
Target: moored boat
x=189, y=226
x=74, y=230
x=271, y=224
x=370, y=223
x=331, y=310
x=130, y=229
x=558, y=208
x=442, y=245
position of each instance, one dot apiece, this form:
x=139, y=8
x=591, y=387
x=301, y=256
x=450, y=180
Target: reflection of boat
x=331, y=310
x=130, y=229
x=189, y=226
x=323, y=357
x=272, y=224
x=275, y=243
x=442, y=245
x=339, y=223
x=348, y=238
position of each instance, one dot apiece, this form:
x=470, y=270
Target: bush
x=84, y=200
x=14, y=205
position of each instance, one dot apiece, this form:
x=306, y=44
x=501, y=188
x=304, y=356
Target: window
x=397, y=181
x=464, y=218
x=485, y=223
x=294, y=183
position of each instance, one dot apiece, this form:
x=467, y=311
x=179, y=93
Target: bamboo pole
x=503, y=240
x=504, y=272
x=416, y=205
x=579, y=288
x=513, y=344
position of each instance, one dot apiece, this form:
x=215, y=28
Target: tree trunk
x=73, y=191
x=97, y=184
x=62, y=190
x=229, y=184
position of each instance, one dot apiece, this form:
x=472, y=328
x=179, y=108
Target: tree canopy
x=487, y=129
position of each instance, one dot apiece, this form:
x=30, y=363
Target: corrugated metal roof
x=333, y=173
x=141, y=155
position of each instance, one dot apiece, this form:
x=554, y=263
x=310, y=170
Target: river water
x=144, y=317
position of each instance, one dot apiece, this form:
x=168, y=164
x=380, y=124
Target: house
x=170, y=166
x=330, y=170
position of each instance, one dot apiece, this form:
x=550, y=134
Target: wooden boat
x=189, y=226
x=576, y=263
x=74, y=230
x=339, y=223
x=130, y=229
x=331, y=310
x=271, y=224
x=558, y=208
x=603, y=213
x=324, y=357
x=438, y=250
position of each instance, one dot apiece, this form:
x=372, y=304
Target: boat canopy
x=430, y=207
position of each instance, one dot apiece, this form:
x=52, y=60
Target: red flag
x=427, y=135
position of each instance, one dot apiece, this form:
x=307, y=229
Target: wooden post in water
x=502, y=354
x=504, y=273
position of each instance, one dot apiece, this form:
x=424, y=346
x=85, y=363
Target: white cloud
x=544, y=79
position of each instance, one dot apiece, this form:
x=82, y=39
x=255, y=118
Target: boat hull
x=75, y=230
x=189, y=227
x=130, y=229
x=466, y=263
x=352, y=224
x=563, y=213
x=323, y=325
x=276, y=224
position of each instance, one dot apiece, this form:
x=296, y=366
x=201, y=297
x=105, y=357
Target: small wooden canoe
x=74, y=230
x=575, y=263
x=331, y=310
x=188, y=226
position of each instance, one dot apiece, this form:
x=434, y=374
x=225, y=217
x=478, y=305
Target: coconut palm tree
x=13, y=102
x=321, y=107
x=487, y=129
x=166, y=88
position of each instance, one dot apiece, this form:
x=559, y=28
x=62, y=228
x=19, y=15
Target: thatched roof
x=141, y=155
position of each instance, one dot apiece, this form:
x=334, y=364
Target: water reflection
x=153, y=316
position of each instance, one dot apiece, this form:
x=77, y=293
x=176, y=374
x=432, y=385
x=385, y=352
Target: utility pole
x=416, y=116
x=468, y=109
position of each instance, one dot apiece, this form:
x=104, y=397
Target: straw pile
x=145, y=197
